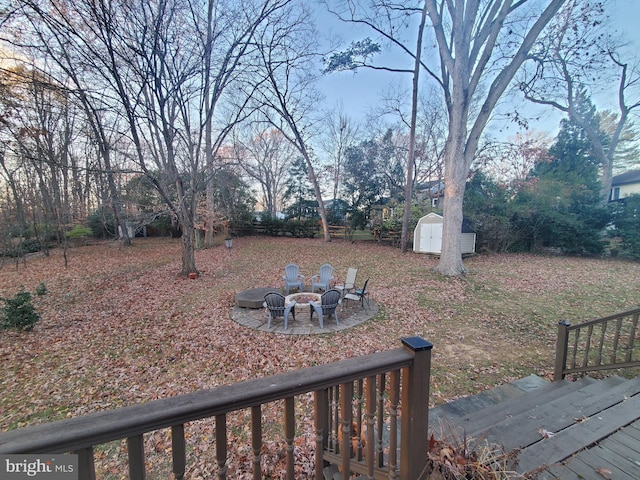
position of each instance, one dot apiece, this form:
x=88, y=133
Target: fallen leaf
x=546, y=433
x=604, y=473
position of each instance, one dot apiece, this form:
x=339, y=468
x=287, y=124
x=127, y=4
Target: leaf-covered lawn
x=120, y=327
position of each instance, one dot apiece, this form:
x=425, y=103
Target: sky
x=360, y=92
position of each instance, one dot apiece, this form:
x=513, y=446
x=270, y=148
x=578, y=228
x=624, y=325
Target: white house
x=625, y=184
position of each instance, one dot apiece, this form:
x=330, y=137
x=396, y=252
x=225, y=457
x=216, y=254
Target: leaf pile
x=467, y=461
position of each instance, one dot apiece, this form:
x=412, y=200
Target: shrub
x=41, y=289
x=102, y=223
x=18, y=312
x=79, y=232
x=306, y=228
x=627, y=225
x=273, y=226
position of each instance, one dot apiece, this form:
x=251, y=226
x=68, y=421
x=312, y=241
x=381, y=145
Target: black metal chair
x=328, y=304
x=275, y=303
x=359, y=295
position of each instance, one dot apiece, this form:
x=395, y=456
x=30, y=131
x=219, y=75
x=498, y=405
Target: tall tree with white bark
x=481, y=46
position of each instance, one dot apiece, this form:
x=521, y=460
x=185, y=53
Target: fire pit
x=302, y=299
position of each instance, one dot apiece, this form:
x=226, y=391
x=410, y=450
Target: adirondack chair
x=323, y=280
x=328, y=304
x=275, y=303
x=292, y=278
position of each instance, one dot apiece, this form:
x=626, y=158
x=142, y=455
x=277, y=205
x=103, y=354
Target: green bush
x=102, y=223
x=18, y=312
x=273, y=226
x=41, y=289
x=306, y=228
x=22, y=248
x=79, y=232
x=627, y=225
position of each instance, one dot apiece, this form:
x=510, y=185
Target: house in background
x=624, y=185
x=432, y=190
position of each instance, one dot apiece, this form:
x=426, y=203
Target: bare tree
x=510, y=163
x=266, y=158
x=385, y=19
x=481, y=47
x=341, y=132
x=288, y=98
x=429, y=162
x=575, y=57
x=165, y=70
x=41, y=122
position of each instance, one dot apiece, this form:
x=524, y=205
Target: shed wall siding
x=427, y=236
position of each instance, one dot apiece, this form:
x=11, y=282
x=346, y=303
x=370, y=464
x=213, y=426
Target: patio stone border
x=349, y=315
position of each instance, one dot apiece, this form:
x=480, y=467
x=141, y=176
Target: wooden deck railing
x=600, y=344
x=363, y=396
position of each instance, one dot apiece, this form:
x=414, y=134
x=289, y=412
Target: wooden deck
x=587, y=429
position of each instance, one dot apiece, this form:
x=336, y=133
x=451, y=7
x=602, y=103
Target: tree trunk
x=455, y=182
x=408, y=188
x=316, y=188
x=188, y=252
x=188, y=244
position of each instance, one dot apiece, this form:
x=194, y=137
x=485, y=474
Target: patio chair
x=322, y=281
x=292, y=278
x=275, y=303
x=359, y=295
x=349, y=282
x=328, y=304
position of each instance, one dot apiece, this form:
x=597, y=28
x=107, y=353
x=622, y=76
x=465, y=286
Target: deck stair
x=552, y=422
x=563, y=430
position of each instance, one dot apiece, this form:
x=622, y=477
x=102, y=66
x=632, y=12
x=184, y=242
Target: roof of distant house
x=632, y=176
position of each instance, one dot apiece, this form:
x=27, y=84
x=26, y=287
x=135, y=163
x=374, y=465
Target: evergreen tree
x=486, y=207
x=299, y=193
x=626, y=217
x=561, y=207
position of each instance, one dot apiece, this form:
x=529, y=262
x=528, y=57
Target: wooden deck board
x=596, y=425
x=524, y=430
x=559, y=471
x=494, y=414
x=624, y=445
x=608, y=457
x=589, y=472
x=600, y=461
x=565, y=443
x=633, y=430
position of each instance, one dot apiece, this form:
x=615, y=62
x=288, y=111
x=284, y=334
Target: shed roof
x=435, y=218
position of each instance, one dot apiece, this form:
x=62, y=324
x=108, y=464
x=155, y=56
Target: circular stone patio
x=249, y=312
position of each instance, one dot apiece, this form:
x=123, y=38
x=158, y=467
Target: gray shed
x=427, y=236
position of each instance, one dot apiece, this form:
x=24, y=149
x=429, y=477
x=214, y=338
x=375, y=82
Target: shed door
x=431, y=237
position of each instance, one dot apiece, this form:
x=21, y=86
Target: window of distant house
x=615, y=193
x=434, y=202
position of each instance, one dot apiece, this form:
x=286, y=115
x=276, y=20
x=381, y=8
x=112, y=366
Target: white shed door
x=431, y=237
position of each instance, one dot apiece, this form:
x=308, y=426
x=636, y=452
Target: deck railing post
x=135, y=446
x=86, y=466
x=414, y=430
x=561, y=350
x=321, y=422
